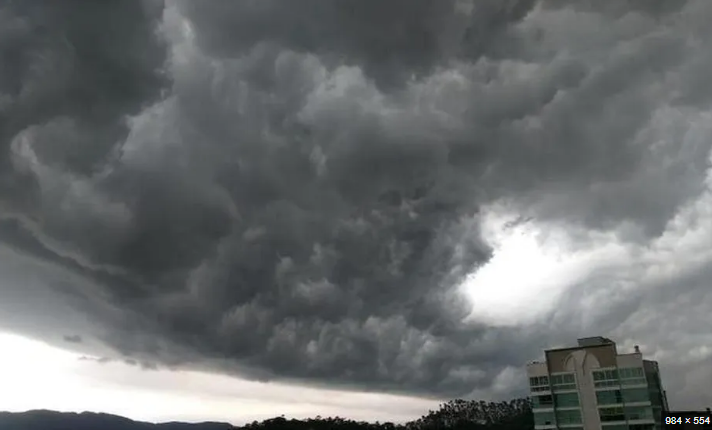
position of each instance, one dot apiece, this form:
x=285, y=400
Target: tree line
x=453, y=415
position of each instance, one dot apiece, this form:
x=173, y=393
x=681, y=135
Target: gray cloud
x=129, y=361
x=296, y=192
x=654, y=8
x=389, y=42
x=100, y=360
x=74, y=338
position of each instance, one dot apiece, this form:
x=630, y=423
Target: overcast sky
x=353, y=208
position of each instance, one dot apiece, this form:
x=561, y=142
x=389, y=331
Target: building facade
x=592, y=387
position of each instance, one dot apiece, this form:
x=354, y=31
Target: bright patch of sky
x=533, y=264
x=35, y=375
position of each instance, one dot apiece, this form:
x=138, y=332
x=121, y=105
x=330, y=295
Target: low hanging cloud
x=74, y=338
x=286, y=191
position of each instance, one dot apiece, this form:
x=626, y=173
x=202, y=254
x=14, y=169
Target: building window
x=653, y=382
x=568, y=417
x=539, y=383
x=545, y=401
x=639, y=413
x=564, y=381
x=631, y=395
x=611, y=414
x=567, y=400
x=563, y=378
x=609, y=397
x=632, y=376
x=656, y=398
x=605, y=375
x=657, y=415
x=539, y=380
x=543, y=418
x=631, y=372
x=542, y=388
x=605, y=378
x=618, y=377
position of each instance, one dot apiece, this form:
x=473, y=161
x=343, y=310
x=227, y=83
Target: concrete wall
x=582, y=362
x=537, y=369
x=630, y=360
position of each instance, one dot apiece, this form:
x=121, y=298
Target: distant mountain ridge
x=52, y=420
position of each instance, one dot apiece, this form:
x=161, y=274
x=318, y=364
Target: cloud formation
x=298, y=192
x=73, y=338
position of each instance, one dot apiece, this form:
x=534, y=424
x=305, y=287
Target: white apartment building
x=592, y=387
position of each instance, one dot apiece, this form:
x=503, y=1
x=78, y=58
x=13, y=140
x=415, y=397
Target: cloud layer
x=298, y=192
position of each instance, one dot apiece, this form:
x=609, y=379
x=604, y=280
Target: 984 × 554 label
x=687, y=419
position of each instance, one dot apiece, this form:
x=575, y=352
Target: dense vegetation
x=455, y=415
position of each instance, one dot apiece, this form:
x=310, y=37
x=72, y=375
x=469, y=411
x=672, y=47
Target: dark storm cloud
x=391, y=41
x=74, y=338
x=131, y=362
x=77, y=67
x=293, y=189
x=655, y=8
